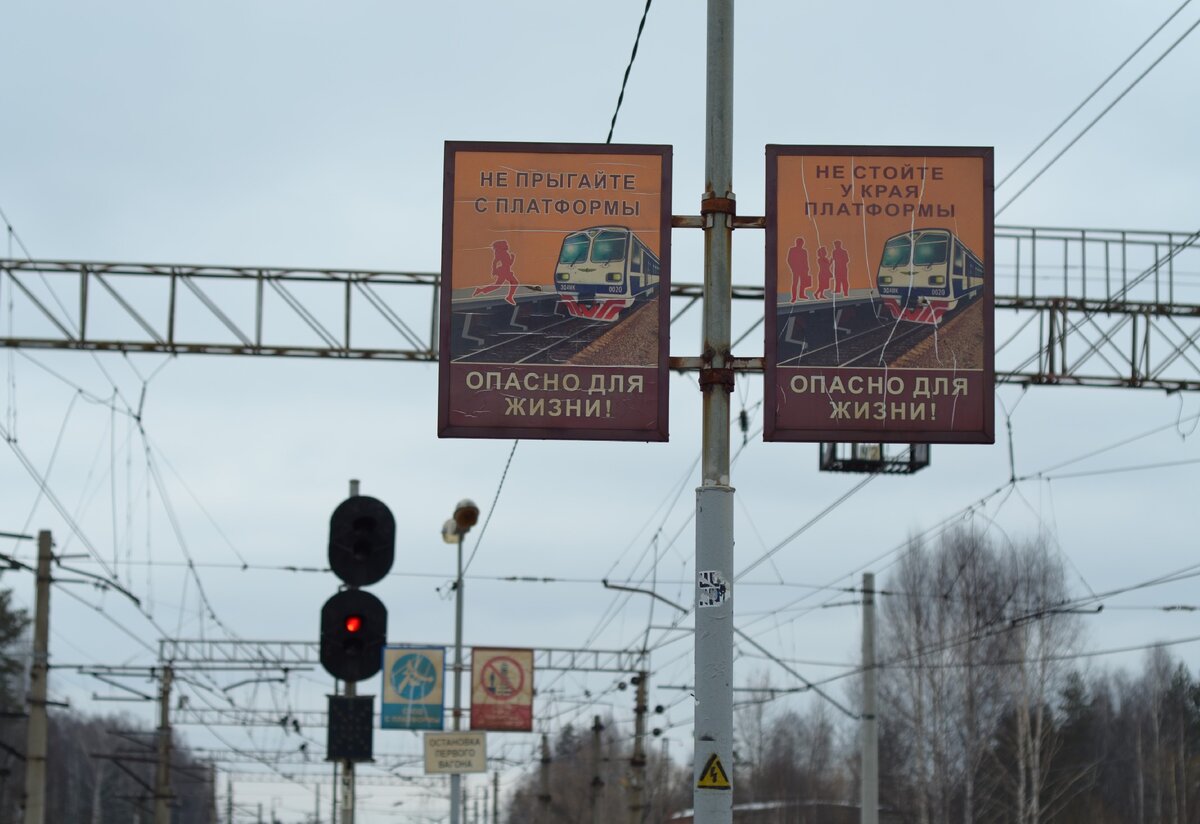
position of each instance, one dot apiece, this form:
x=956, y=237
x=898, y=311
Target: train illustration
x=925, y=273
x=604, y=270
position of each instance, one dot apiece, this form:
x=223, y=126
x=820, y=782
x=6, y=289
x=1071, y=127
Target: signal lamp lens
x=353, y=623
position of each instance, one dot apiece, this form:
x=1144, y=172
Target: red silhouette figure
x=797, y=261
x=502, y=261
x=824, y=273
x=841, y=269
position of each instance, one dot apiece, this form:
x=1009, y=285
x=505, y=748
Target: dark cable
x=625, y=80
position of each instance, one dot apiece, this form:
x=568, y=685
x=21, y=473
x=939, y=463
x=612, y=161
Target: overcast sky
x=311, y=135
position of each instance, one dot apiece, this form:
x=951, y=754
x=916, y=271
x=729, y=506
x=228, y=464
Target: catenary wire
x=628, y=68
x=1096, y=120
x=1094, y=92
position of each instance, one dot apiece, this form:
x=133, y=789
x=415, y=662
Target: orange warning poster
x=880, y=290
x=555, y=291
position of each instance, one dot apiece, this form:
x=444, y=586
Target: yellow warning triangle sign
x=713, y=776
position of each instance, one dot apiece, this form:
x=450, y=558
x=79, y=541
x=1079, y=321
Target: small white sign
x=455, y=752
x=713, y=588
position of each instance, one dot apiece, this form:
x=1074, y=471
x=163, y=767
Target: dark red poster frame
x=871, y=431
x=657, y=430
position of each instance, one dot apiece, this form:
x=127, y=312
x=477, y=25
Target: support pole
x=714, y=498
x=162, y=773
x=348, y=772
x=544, y=776
x=637, y=763
x=348, y=765
x=229, y=801
x=455, y=778
x=496, y=797
x=35, y=745
x=870, y=732
x=597, y=781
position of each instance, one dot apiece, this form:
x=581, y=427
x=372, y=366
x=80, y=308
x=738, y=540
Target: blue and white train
x=925, y=273
x=604, y=270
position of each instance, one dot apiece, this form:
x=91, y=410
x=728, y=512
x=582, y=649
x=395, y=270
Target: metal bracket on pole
x=710, y=377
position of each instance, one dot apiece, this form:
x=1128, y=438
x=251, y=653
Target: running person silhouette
x=502, y=261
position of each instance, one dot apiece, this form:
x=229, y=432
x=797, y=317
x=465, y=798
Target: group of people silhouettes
x=832, y=270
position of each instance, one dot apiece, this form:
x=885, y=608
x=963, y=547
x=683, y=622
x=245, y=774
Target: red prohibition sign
x=502, y=678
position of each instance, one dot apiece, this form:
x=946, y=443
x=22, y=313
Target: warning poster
x=555, y=291
x=880, y=289
x=502, y=689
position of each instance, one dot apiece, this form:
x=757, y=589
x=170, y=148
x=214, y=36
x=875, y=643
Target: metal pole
x=212, y=801
x=870, y=732
x=714, y=498
x=544, y=777
x=35, y=745
x=637, y=762
x=496, y=797
x=455, y=778
x=162, y=774
x=597, y=781
x=229, y=801
x=348, y=772
x=348, y=765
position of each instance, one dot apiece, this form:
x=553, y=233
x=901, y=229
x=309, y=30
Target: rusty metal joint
x=713, y=376
x=718, y=205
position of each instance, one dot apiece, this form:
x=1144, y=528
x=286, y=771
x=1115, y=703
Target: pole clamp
x=718, y=205
x=712, y=376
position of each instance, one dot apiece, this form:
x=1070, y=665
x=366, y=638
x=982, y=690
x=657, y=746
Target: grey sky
x=311, y=134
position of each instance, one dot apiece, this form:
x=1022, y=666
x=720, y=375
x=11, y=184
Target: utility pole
x=229, y=800
x=348, y=772
x=869, y=804
x=637, y=763
x=544, y=776
x=714, y=498
x=162, y=774
x=35, y=745
x=597, y=781
x=454, y=531
x=496, y=797
x=348, y=765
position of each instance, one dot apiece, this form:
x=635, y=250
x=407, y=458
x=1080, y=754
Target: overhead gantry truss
x=1088, y=307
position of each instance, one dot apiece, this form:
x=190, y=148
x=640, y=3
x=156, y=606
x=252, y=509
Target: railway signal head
x=362, y=540
x=353, y=634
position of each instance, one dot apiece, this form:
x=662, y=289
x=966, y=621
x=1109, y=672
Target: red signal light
x=353, y=623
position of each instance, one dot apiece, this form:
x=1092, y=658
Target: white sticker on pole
x=714, y=589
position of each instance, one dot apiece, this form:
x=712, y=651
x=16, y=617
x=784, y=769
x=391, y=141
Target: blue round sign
x=413, y=676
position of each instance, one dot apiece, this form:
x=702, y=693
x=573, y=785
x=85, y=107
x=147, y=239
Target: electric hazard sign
x=713, y=776
x=502, y=690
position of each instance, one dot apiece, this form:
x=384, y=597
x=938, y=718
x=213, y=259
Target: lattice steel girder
x=321, y=776
x=235, y=717
x=382, y=761
x=238, y=655
x=1072, y=292
x=1091, y=343
x=219, y=309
